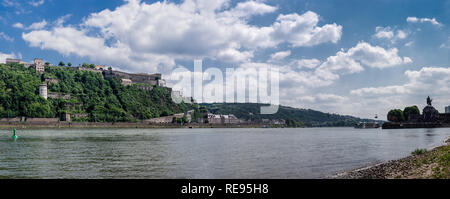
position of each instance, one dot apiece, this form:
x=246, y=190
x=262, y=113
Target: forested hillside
x=293, y=116
x=102, y=100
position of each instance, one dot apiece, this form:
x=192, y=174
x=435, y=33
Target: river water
x=205, y=153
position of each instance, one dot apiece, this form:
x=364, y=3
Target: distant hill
x=301, y=117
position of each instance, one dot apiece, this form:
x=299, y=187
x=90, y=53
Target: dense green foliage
x=412, y=110
x=103, y=100
x=396, y=115
x=19, y=93
x=294, y=117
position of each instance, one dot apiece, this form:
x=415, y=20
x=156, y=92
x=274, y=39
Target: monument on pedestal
x=429, y=112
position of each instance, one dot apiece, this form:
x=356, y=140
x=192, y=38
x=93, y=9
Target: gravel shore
x=433, y=164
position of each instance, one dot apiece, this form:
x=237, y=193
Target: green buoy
x=15, y=135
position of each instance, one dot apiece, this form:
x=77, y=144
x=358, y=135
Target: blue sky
x=350, y=57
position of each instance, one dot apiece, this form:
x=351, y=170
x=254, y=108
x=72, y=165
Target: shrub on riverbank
x=419, y=151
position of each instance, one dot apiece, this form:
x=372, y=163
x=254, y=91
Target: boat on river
x=367, y=125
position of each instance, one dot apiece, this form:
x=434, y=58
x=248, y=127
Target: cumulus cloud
x=302, y=30
x=34, y=26
x=390, y=34
x=313, y=73
x=307, y=63
x=18, y=25
x=280, y=55
x=249, y=8
x=151, y=37
x=353, y=60
x=37, y=25
x=428, y=80
x=423, y=20
x=383, y=32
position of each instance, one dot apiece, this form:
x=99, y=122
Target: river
x=204, y=153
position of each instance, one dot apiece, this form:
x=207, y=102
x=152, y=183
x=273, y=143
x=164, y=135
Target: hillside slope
x=90, y=94
x=303, y=117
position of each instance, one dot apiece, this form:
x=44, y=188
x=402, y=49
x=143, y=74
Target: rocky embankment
x=433, y=164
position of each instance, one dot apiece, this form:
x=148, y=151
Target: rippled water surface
x=204, y=153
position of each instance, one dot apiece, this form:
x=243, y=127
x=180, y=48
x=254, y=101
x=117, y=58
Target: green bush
x=408, y=111
x=419, y=151
x=396, y=115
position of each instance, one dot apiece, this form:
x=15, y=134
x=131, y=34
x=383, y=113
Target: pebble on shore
x=432, y=164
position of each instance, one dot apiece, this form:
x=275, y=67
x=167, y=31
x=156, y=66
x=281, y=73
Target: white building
x=39, y=65
x=43, y=91
x=126, y=82
x=162, y=83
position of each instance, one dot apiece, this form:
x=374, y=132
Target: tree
x=47, y=64
x=61, y=63
x=185, y=119
x=396, y=115
x=85, y=65
x=69, y=64
x=408, y=111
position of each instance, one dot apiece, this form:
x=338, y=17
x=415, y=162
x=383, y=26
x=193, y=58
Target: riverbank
x=124, y=125
x=401, y=125
x=432, y=164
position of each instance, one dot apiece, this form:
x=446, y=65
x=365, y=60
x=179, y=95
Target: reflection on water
x=204, y=153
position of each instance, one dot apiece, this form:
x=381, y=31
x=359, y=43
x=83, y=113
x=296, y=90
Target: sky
x=352, y=57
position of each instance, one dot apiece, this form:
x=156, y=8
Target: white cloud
x=307, y=63
x=280, y=55
x=6, y=37
x=409, y=43
x=353, y=60
x=18, y=25
x=60, y=21
x=33, y=26
x=330, y=98
x=428, y=80
x=36, y=3
x=423, y=20
x=148, y=37
x=320, y=74
x=390, y=34
x=401, y=34
x=37, y=25
x=381, y=32
x=302, y=30
x=248, y=9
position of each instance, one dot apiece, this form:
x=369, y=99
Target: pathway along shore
x=433, y=164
